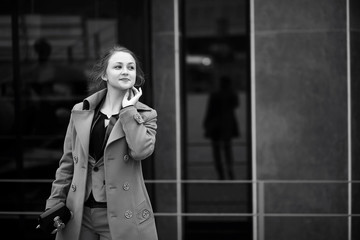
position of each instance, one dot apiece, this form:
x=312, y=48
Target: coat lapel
x=82, y=123
x=116, y=133
x=83, y=116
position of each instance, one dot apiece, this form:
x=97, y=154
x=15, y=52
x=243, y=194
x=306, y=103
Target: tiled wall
x=301, y=117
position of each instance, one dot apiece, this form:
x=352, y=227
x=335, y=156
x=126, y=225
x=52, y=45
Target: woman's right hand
x=131, y=97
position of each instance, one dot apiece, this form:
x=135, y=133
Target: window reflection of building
x=221, y=126
x=54, y=53
x=217, y=45
x=50, y=88
x=77, y=34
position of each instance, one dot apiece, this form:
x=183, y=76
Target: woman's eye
x=132, y=67
x=117, y=67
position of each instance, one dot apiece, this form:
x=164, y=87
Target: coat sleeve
x=140, y=131
x=64, y=173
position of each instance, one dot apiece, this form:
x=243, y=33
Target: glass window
x=46, y=51
x=217, y=161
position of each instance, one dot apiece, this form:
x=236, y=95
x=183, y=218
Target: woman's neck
x=113, y=101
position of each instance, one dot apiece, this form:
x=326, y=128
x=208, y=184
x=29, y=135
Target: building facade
x=256, y=100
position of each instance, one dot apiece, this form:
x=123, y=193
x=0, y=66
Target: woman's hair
x=99, y=69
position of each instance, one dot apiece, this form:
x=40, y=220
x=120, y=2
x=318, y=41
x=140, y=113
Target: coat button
x=96, y=169
x=126, y=186
x=128, y=214
x=126, y=157
x=138, y=118
x=146, y=213
x=75, y=159
x=73, y=187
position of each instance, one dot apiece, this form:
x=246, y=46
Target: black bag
x=54, y=219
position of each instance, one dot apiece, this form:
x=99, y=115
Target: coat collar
x=83, y=119
x=91, y=102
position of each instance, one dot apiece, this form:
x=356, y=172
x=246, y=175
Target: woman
x=99, y=176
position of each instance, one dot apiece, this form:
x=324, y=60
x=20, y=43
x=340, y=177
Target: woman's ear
x=104, y=78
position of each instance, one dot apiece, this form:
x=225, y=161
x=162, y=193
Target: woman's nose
x=124, y=72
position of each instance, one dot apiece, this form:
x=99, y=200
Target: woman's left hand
x=131, y=97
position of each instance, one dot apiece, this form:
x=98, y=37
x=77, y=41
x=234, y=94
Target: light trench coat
x=132, y=139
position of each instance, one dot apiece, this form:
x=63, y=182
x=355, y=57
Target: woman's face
x=121, y=71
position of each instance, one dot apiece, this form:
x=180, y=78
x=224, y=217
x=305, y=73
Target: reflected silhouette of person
x=221, y=126
x=53, y=85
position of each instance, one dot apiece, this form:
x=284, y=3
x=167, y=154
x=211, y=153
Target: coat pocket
x=144, y=213
x=146, y=222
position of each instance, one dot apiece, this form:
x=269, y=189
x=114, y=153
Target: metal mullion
x=348, y=56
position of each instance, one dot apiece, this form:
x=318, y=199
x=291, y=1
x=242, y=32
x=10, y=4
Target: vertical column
x=348, y=65
x=354, y=7
x=165, y=102
x=302, y=116
x=257, y=223
x=163, y=69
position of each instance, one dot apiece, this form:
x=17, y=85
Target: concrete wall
x=301, y=116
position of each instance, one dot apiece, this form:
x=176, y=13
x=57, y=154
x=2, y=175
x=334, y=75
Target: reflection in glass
x=57, y=42
x=56, y=47
x=355, y=225
x=29, y=197
x=220, y=227
x=216, y=93
x=221, y=126
x=217, y=90
x=218, y=198
x=166, y=227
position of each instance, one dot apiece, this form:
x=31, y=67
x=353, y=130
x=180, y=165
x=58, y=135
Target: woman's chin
x=124, y=87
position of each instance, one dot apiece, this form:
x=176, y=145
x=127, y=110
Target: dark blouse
x=97, y=144
x=97, y=137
